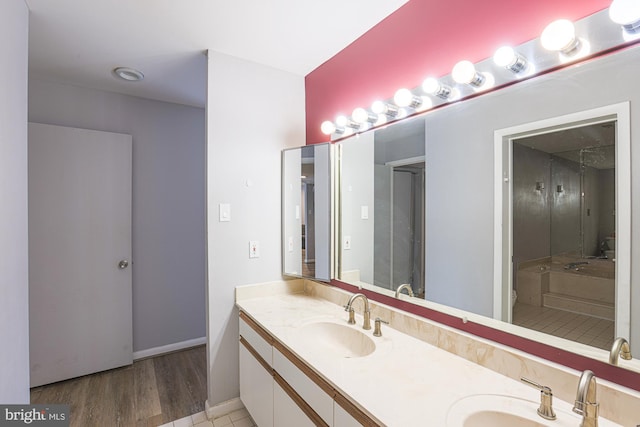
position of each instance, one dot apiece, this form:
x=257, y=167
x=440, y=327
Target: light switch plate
x=225, y=212
x=254, y=249
x=364, y=212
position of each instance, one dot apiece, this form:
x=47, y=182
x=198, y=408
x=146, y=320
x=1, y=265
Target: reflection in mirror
x=564, y=233
x=382, y=206
x=306, y=210
x=467, y=248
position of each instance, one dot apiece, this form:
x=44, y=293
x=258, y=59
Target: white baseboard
x=223, y=408
x=142, y=354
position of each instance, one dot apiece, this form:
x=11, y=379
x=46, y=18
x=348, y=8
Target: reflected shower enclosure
x=564, y=233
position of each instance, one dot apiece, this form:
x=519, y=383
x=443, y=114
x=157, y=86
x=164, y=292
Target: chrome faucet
x=585, y=403
x=574, y=265
x=546, y=399
x=367, y=312
x=620, y=348
x=404, y=286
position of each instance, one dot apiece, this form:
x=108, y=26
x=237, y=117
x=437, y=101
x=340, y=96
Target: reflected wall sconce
x=433, y=87
x=406, y=98
x=627, y=14
x=539, y=186
x=362, y=116
x=559, y=188
x=508, y=58
x=560, y=36
x=380, y=107
x=464, y=72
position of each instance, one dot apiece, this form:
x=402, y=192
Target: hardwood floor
x=150, y=392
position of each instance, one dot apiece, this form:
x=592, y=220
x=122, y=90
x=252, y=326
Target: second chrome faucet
x=367, y=311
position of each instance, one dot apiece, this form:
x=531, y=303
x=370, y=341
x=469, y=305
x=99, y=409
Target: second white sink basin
x=509, y=411
x=335, y=340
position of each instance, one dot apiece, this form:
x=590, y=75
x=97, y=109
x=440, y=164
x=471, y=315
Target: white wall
x=168, y=201
x=253, y=112
x=14, y=290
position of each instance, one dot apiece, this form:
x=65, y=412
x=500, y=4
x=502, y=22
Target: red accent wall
x=425, y=38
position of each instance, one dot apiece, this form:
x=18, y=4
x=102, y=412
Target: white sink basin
x=335, y=340
x=509, y=411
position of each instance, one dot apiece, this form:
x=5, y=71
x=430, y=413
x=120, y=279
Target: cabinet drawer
x=262, y=345
x=317, y=398
x=256, y=388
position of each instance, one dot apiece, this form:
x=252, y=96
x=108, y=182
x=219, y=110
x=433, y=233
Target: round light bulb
x=403, y=97
x=327, y=127
x=560, y=35
x=378, y=107
x=426, y=104
x=360, y=115
x=431, y=85
x=464, y=72
x=342, y=121
x=624, y=12
x=504, y=56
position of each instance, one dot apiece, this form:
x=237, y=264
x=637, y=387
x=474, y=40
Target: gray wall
x=607, y=220
x=357, y=191
x=253, y=112
x=460, y=180
x=531, y=210
x=168, y=201
x=14, y=285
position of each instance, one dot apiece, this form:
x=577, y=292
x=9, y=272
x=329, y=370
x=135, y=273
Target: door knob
x=123, y=264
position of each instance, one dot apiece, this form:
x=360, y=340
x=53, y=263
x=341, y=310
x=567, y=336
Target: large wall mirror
x=513, y=207
x=306, y=211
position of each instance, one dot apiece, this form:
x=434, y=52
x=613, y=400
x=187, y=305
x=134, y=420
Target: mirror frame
x=534, y=343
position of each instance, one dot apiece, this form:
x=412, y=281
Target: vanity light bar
x=559, y=44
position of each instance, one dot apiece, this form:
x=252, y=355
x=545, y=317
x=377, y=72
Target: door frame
x=503, y=208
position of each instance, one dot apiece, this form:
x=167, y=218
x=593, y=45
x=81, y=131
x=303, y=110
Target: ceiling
x=592, y=145
x=81, y=41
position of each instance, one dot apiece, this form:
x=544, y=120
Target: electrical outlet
x=346, y=242
x=254, y=249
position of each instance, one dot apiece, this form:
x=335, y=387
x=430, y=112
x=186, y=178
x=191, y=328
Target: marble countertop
x=404, y=382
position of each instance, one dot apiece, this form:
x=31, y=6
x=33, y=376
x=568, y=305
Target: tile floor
x=564, y=324
x=239, y=418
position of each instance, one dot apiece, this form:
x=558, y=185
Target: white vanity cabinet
x=286, y=412
x=318, y=399
x=256, y=379
x=280, y=390
x=341, y=418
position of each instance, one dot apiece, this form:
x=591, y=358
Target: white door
x=80, y=301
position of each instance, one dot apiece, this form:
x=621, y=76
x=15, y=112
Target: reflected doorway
x=399, y=224
x=562, y=240
x=564, y=233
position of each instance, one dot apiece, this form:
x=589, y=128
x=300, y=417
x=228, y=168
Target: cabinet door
x=286, y=413
x=310, y=392
x=256, y=389
x=342, y=418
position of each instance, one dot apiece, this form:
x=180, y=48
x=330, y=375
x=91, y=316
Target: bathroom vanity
x=301, y=364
